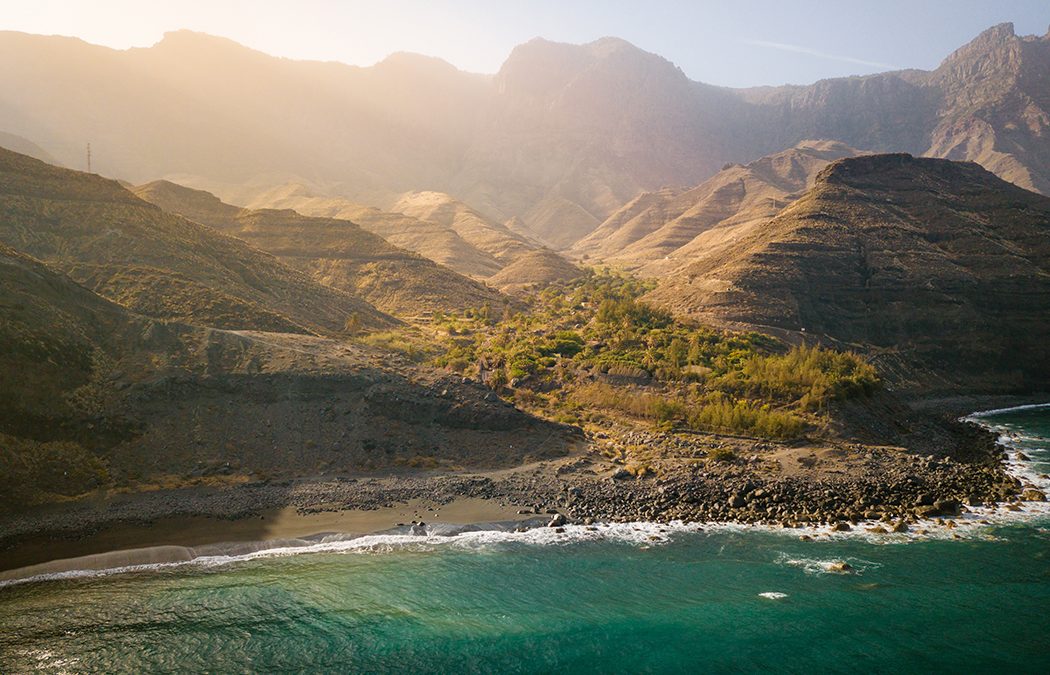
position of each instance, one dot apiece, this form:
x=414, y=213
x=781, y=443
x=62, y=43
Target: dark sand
x=166, y=539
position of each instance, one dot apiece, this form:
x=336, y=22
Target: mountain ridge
x=561, y=131
x=337, y=253
x=159, y=264
x=658, y=231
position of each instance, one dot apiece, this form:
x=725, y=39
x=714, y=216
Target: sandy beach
x=124, y=543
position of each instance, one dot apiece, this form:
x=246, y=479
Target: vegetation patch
x=592, y=349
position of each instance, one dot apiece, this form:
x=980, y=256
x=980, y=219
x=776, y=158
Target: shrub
x=808, y=375
x=722, y=454
x=719, y=413
x=562, y=343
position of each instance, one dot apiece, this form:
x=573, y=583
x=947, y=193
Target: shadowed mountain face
x=658, y=231
x=935, y=265
x=156, y=263
x=561, y=137
x=93, y=393
x=334, y=252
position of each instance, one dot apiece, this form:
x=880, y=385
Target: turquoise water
x=620, y=599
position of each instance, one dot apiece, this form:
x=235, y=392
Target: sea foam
x=974, y=523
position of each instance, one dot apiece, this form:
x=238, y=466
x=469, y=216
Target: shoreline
x=254, y=514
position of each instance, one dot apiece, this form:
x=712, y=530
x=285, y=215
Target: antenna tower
x=89, y=157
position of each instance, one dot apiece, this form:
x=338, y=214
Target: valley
x=584, y=287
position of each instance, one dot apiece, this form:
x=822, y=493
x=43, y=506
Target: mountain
x=95, y=395
x=561, y=137
x=582, y=128
x=535, y=270
x=159, y=264
x=442, y=228
x=493, y=238
x=939, y=268
x=24, y=146
x=50, y=331
x=200, y=105
x=438, y=242
x=987, y=102
x=334, y=252
x=557, y=222
x=659, y=230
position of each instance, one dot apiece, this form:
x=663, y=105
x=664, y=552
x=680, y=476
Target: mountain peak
x=997, y=33
x=990, y=41
x=186, y=43
x=901, y=170
x=414, y=61
x=604, y=46
x=185, y=36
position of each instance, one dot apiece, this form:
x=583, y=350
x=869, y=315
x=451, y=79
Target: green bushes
x=398, y=341
x=694, y=376
x=712, y=412
x=639, y=404
x=810, y=376
x=719, y=413
x=722, y=454
x=628, y=312
x=563, y=343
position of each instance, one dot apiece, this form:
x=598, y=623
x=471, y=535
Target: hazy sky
x=735, y=43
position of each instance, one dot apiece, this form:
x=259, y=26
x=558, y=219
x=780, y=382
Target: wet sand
x=197, y=531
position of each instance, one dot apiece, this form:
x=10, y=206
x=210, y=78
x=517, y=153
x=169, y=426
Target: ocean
x=634, y=597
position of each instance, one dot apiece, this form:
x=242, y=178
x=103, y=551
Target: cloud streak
x=797, y=49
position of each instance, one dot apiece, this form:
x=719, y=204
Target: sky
x=734, y=43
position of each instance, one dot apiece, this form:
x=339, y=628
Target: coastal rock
x=947, y=507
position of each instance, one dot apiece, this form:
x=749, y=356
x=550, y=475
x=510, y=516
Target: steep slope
x=94, y=395
x=334, y=252
x=558, y=222
x=437, y=242
x=156, y=263
x=50, y=333
x=661, y=229
x=939, y=267
x=987, y=102
x=477, y=230
x=535, y=270
x=996, y=106
x=586, y=127
x=641, y=216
